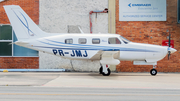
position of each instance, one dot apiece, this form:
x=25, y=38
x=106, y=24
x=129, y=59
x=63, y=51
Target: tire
x=101, y=70
x=109, y=72
x=153, y=72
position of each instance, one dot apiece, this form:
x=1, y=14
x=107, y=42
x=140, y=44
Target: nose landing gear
x=153, y=71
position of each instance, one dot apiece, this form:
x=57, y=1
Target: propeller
x=170, y=50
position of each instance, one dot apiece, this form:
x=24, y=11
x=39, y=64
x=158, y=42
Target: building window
x=178, y=11
x=96, y=41
x=68, y=41
x=5, y=40
x=114, y=41
x=7, y=37
x=22, y=51
x=82, y=40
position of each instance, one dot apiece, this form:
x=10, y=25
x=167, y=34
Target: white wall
x=56, y=15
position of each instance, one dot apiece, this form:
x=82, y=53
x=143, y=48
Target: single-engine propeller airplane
x=109, y=49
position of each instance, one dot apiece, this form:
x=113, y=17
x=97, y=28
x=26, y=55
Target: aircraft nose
x=172, y=50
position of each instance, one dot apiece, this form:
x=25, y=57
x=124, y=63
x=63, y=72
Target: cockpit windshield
x=126, y=41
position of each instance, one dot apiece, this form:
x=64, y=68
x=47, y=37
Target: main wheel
x=101, y=70
x=109, y=72
x=153, y=72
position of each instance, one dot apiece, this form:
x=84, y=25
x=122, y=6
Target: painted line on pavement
x=92, y=94
x=33, y=70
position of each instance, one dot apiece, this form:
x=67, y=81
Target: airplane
x=109, y=49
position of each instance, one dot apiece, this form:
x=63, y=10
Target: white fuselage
x=128, y=51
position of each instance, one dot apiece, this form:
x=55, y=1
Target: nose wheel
x=153, y=71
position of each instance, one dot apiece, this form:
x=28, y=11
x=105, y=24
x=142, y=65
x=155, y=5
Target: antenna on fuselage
x=80, y=30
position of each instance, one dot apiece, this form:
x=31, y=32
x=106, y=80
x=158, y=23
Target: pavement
x=93, y=80
x=81, y=86
x=25, y=93
x=26, y=78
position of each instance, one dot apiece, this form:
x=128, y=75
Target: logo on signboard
x=138, y=5
x=129, y=5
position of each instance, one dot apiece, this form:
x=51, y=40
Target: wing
x=107, y=57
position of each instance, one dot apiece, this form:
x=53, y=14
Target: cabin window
x=7, y=37
x=82, y=41
x=68, y=41
x=114, y=41
x=126, y=41
x=96, y=41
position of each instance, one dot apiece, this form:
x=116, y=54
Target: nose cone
x=172, y=50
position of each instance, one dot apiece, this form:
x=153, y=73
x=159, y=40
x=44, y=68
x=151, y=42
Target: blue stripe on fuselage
x=90, y=47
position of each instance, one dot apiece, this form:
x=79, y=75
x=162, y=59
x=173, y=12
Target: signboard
x=166, y=43
x=142, y=10
x=1, y=0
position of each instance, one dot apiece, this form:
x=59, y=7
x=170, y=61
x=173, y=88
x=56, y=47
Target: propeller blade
x=169, y=53
x=169, y=39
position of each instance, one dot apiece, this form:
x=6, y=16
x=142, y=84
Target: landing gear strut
x=153, y=71
x=104, y=70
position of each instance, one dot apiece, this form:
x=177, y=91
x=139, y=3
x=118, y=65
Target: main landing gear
x=153, y=71
x=104, y=70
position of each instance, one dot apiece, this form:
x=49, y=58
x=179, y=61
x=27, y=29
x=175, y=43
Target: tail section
x=22, y=24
